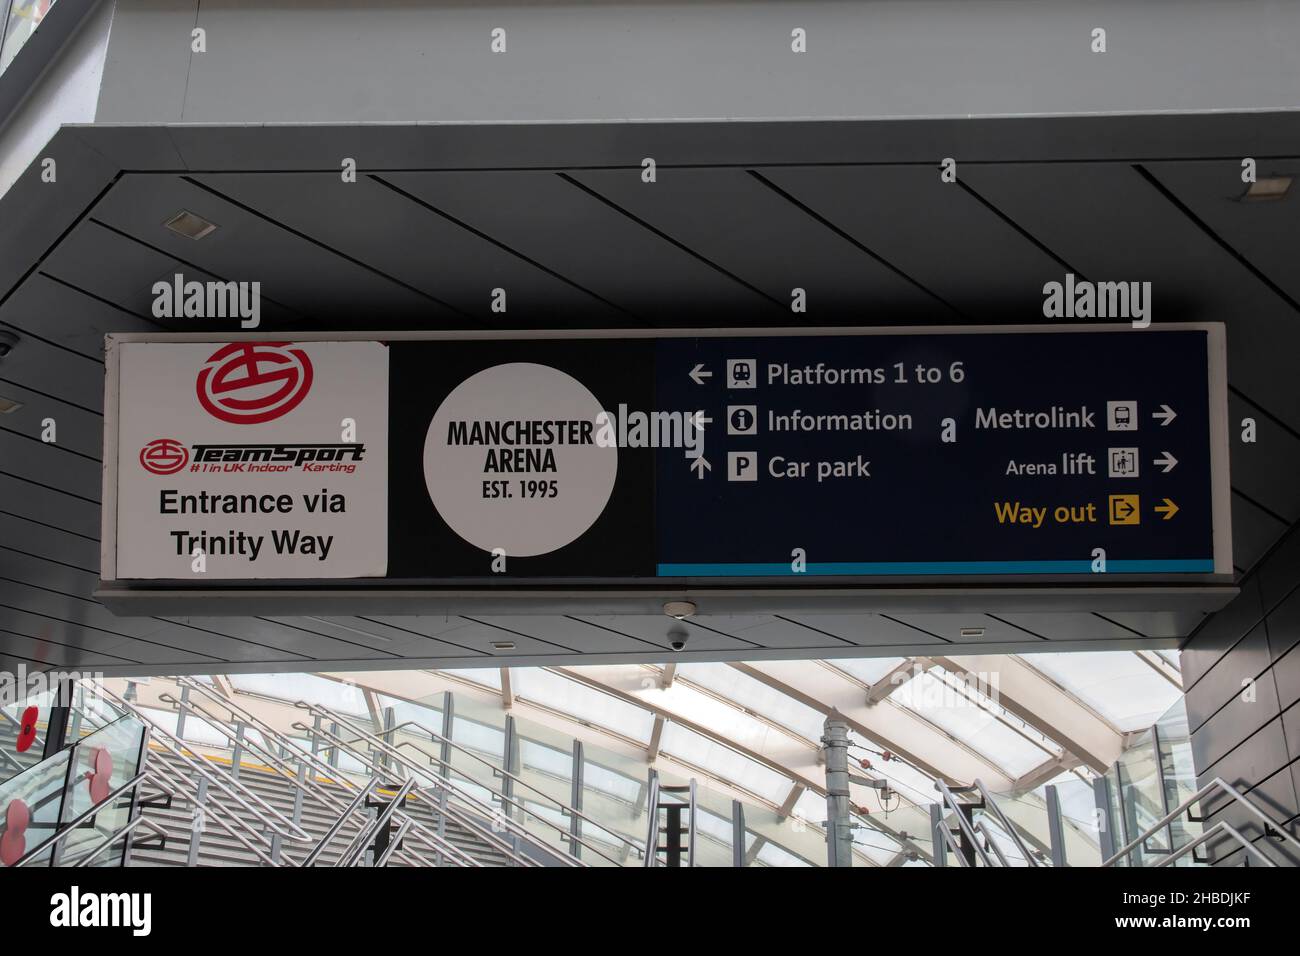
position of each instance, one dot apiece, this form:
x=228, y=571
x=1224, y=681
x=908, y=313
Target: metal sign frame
x=1202, y=592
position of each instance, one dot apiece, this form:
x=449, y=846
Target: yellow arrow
x=1168, y=509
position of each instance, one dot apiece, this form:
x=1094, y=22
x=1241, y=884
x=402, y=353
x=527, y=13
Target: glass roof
x=1118, y=685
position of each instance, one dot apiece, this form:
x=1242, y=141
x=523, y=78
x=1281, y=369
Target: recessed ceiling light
x=971, y=632
x=1268, y=189
x=503, y=645
x=8, y=405
x=187, y=224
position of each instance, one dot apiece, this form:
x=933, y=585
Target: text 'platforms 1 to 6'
x=942, y=453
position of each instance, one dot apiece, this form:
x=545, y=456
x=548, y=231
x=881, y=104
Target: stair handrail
x=177, y=746
x=951, y=802
x=447, y=786
x=429, y=839
x=352, y=855
x=65, y=830
x=991, y=841
x=125, y=830
x=650, y=856
x=1006, y=824
x=466, y=819
x=1221, y=827
x=216, y=811
x=1218, y=783
x=337, y=825
x=564, y=808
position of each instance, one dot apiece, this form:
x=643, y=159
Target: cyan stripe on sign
x=866, y=568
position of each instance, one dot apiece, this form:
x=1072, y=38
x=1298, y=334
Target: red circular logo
x=247, y=383
x=164, y=456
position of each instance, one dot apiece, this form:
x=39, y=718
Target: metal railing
x=304, y=783
x=564, y=809
x=442, y=785
x=1271, y=827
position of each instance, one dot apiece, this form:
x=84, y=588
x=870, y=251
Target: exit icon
x=1125, y=509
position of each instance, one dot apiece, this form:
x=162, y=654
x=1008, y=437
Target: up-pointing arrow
x=1166, y=415
x=700, y=466
x=1166, y=462
x=698, y=374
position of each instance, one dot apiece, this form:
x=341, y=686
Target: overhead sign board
x=749, y=459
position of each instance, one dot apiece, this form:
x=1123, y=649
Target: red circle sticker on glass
x=101, y=773
x=164, y=456
x=13, y=842
x=27, y=729
x=247, y=383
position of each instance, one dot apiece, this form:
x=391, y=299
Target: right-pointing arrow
x=1168, y=509
x=1166, y=462
x=1166, y=415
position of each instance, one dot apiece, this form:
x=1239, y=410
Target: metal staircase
x=970, y=825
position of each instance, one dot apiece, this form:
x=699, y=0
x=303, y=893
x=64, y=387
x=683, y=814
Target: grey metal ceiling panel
x=43, y=367
x=571, y=632
x=63, y=316
x=654, y=629
x=19, y=620
x=27, y=538
x=385, y=229
x=733, y=218
x=47, y=506
x=948, y=627
x=1068, y=627
x=376, y=635
x=479, y=637
x=1253, y=532
x=866, y=629
x=558, y=224
x=1158, y=623
x=772, y=631
x=278, y=638
x=1263, y=232
x=30, y=459
x=119, y=270
x=934, y=231
x=75, y=429
x=1110, y=223
x=36, y=213
x=1268, y=469
x=299, y=274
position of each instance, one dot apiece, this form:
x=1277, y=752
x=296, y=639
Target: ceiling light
x=503, y=645
x=186, y=224
x=8, y=405
x=971, y=632
x=1269, y=189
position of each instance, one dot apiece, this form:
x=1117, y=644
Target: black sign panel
x=890, y=455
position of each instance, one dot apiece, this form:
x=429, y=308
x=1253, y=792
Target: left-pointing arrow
x=698, y=374
x=1168, y=509
x=700, y=466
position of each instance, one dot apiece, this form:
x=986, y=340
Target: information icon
x=742, y=419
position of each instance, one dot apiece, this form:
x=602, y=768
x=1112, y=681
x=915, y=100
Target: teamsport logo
x=247, y=383
x=164, y=456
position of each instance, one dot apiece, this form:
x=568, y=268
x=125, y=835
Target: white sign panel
x=252, y=460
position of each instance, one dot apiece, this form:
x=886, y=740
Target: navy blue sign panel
x=948, y=453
